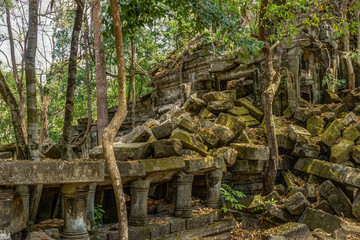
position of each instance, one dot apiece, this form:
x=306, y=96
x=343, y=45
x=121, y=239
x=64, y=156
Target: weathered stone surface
x=194, y=105
x=5, y=155
x=50, y=172
x=200, y=165
x=251, y=151
x=296, y=203
x=284, y=140
x=209, y=137
x=138, y=134
x=341, y=151
x=255, y=112
x=351, y=133
x=228, y=154
x=349, y=119
x=355, y=154
x=249, y=120
x=303, y=113
x=278, y=212
x=318, y=219
x=273, y=196
x=164, y=130
x=220, y=106
x=150, y=123
x=242, y=138
x=231, y=122
x=289, y=112
x=50, y=149
x=306, y=150
x=248, y=166
x=330, y=97
x=219, y=96
x=337, y=199
x=347, y=231
x=342, y=108
x=124, y=151
x=329, y=117
x=356, y=207
x=298, y=134
x=129, y=171
x=186, y=124
x=224, y=134
x=205, y=113
x=325, y=206
x=238, y=111
x=288, y=231
x=38, y=235
x=310, y=192
x=189, y=141
x=167, y=148
x=315, y=125
x=162, y=169
x=332, y=133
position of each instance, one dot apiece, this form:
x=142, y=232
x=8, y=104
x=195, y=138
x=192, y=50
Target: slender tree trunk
x=262, y=19
x=5, y=92
x=18, y=81
x=274, y=80
x=358, y=37
x=44, y=120
x=113, y=128
x=101, y=90
x=349, y=65
x=132, y=80
x=70, y=91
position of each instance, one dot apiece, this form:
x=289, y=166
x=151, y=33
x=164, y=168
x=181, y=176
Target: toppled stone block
x=284, y=141
x=337, y=199
x=349, y=119
x=228, y=154
x=251, y=151
x=315, y=125
x=205, y=114
x=138, y=134
x=224, y=134
x=242, y=138
x=340, y=109
x=330, y=97
x=356, y=109
x=167, y=148
x=351, y=133
x=186, y=124
x=194, y=105
x=150, y=123
x=219, y=96
x=288, y=231
x=296, y=203
x=220, y=106
x=164, y=130
x=200, y=165
x=124, y=151
x=318, y=219
x=347, y=231
x=238, y=111
x=332, y=133
x=255, y=112
x=289, y=112
x=249, y=120
x=231, y=122
x=280, y=189
x=325, y=206
x=49, y=148
x=273, y=196
x=355, y=154
x=189, y=141
x=7, y=155
x=306, y=150
x=351, y=99
x=310, y=192
x=302, y=114
x=208, y=136
x=298, y=134
x=341, y=152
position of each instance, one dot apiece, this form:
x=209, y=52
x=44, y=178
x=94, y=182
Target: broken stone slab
x=224, y=134
x=298, y=134
x=50, y=172
x=341, y=151
x=238, y=111
x=124, y=151
x=245, y=166
x=228, y=154
x=306, y=150
x=194, y=105
x=332, y=133
x=310, y=192
x=329, y=117
x=330, y=97
x=288, y=231
x=325, y=206
x=340, y=109
x=351, y=133
x=349, y=119
x=188, y=140
x=217, y=107
x=167, y=148
x=50, y=149
x=150, y=123
x=209, y=137
x=219, y=96
x=351, y=99
x=205, y=114
x=289, y=112
x=336, y=198
x=129, y=171
x=251, y=151
x=242, y=138
x=355, y=154
x=303, y=113
x=249, y=120
x=231, y=122
x=138, y=134
x=199, y=166
x=162, y=169
x=255, y=112
x=296, y=203
x=284, y=140
x=315, y=125
x=186, y=124
x=164, y=130
x=318, y=219
x=347, y=231
x=279, y=213
x=5, y=155
x=336, y=172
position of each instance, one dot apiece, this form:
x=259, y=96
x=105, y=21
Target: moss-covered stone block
x=255, y=112
x=238, y=111
x=315, y=125
x=332, y=133
x=341, y=151
x=251, y=151
x=235, y=124
x=351, y=133
x=188, y=140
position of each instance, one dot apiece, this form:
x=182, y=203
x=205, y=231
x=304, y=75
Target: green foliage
x=98, y=214
x=332, y=83
x=232, y=197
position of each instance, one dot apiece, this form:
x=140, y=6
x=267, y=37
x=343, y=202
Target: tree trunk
x=18, y=81
x=262, y=28
x=5, y=92
x=358, y=37
x=349, y=65
x=44, y=120
x=113, y=128
x=70, y=91
x=101, y=90
x=274, y=80
x=132, y=81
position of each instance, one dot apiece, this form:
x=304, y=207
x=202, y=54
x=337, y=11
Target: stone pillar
x=75, y=198
x=183, y=196
x=24, y=192
x=213, y=182
x=139, y=191
x=6, y=198
x=91, y=202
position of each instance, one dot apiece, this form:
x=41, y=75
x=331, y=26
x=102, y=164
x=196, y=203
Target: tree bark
x=349, y=65
x=113, y=128
x=358, y=37
x=101, y=90
x=70, y=91
x=132, y=80
x=274, y=80
x=5, y=92
x=44, y=120
x=19, y=83
x=262, y=19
